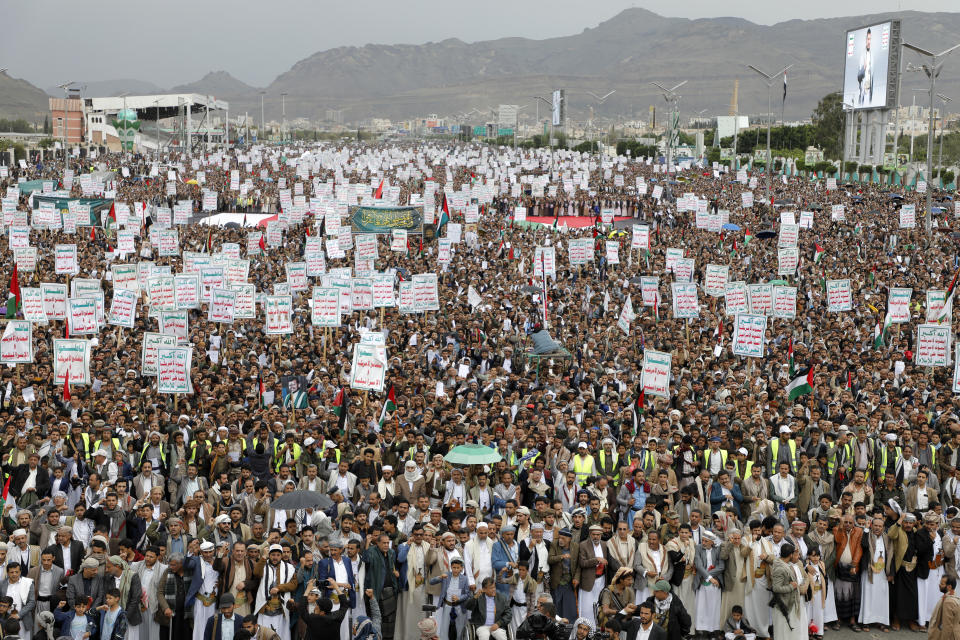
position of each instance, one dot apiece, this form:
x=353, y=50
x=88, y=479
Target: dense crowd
x=725, y=504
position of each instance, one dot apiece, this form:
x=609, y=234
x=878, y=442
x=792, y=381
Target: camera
x=428, y=608
x=599, y=635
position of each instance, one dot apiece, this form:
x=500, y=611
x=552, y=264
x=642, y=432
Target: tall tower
x=733, y=100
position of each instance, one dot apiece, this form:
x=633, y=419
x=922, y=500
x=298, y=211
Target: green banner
x=97, y=205
x=479, y=131
x=386, y=219
x=505, y=132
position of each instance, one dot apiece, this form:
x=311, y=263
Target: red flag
x=66, y=386
x=379, y=194
x=849, y=379
x=263, y=244
x=113, y=211
x=93, y=235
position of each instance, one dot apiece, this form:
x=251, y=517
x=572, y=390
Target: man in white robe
x=874, y=584
x=278, y=579
x=205, y=606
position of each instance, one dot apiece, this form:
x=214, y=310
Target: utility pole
x=932, y=69
x=769, y=78
x=283, y=110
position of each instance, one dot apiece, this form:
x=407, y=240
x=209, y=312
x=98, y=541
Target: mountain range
x=625, y=53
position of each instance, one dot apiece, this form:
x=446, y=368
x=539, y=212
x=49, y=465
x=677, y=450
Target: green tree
x=46, y=125
x=828, y=124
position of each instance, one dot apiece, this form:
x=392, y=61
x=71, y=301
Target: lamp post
x=943, y=121
x=156, y=103
x=932, y=69
x=66, y=121
x=283, y=111
x=550, y=139
x=263, y=126
x=769, y=78
x=601, y=100
x=672, y=97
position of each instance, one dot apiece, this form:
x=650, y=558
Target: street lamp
x=283, y=110
x=66, y=121
x=263, y=126
x=769, y=78
x=156, y=103
x=550, y=140
x=671, y=96
x=601, y=100
x=932, y=69
x=943, y=121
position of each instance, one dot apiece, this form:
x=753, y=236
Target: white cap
x=206, y=546
x=308, y=442
x=743, y=451
x=101, y=452
x=19, y=532
x=329, y=445
x=785, y=429
x=222, y=518
x=582, y=445
x=891, y=437
x=275, y=547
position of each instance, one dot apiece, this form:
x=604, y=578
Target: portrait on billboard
x=866, y=66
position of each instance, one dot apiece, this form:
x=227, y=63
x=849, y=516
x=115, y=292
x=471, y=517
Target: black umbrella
x=530, y=289
x=766, y=234
x=784, y=202
x=816, y=207
x=302, y=499
x=231, y=225
x=875, y=212
x=636, y=280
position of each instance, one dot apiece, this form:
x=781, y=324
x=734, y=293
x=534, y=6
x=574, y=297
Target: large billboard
x=871, y=64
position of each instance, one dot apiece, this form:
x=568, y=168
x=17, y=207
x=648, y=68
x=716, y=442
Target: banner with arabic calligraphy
x=386, y=219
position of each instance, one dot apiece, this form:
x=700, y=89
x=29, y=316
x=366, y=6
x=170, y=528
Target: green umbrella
x=472, y=454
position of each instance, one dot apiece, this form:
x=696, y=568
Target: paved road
x=874, y=634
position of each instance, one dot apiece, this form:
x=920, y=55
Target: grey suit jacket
x=151, y=587
x=502, y=612
x=58, y=581
x=75, y=589
x=703, y=569
x=28, y=608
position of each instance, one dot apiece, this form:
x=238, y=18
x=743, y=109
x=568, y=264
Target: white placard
x=749, y=335
x=656, y=373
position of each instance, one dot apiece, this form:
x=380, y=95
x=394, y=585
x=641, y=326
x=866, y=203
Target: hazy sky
x=179, y=41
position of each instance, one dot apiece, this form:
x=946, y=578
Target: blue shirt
x=109, y=620
x=491, y=611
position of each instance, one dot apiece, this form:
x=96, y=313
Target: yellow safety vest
x=296, y=454
x=832, y=461
x=583, y=467
x=723, y=458
x=882, y=467
x=616, y=459
x=775, y=447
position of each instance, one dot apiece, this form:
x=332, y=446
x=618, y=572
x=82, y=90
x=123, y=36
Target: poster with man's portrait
x=294, y=391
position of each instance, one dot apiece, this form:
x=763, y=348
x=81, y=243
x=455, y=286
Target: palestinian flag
x=208, y=245
x=556, y=222
x=93, y=234
x=880, y=335
x=111, y=218
x=801, y=384
x=338, y=402
x=379, y=194
x=14, y=300
x=817, y=253
x=6, y=492
x=656, y=307
x=389, y=406
x=849, y=379
x=873, y=274
x=263, y=244
x=948, y=298
x=444, y=214
x=792, y=372
x=641, y=401
x=747, y=236
x=66, y=386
